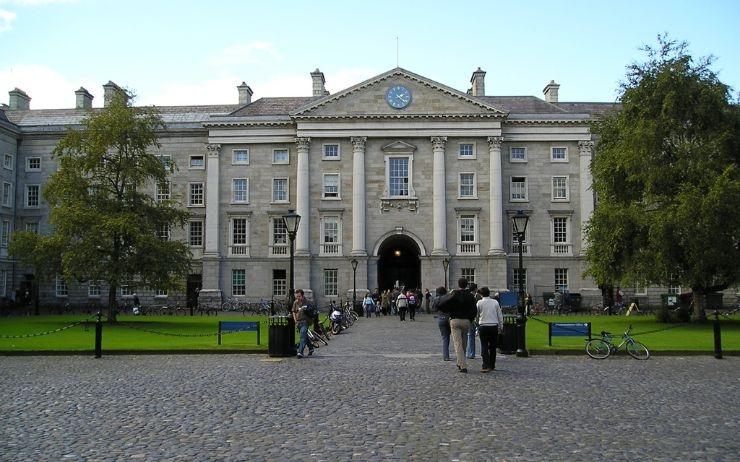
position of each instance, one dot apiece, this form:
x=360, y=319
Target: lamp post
x=520, y=228
x=292, y=220
x=354, y=286
x=445, y=265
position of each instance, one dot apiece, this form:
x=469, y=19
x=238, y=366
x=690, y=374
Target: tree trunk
x=697, y=305
x=112, y=305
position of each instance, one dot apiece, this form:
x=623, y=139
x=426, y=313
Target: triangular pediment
x=368, y=100
x=399, y=146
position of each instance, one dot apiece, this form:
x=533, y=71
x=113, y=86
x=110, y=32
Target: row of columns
x=359, y=202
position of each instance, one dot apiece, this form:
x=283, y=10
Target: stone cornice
x=545, y=122
x=480, y=115
x=388, y=75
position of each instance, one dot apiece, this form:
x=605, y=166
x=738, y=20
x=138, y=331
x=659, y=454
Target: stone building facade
x=398, y=172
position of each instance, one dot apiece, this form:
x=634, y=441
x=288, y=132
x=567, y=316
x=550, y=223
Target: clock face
x=398, y=96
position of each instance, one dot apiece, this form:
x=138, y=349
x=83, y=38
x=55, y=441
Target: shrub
x=663, y=314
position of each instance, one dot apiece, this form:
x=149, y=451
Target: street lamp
x=520, y=228
x=445, y=265
x=354, y=286
x=292, y=220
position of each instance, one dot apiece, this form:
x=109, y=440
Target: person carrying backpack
x=402, y=304
x=412, y=302
x=369, y=306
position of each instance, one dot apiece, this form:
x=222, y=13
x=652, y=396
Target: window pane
x=238, y=282
x=196, y=161
x=279, y=231
x=280, y=156
x=195, y=233
x=399, y=176
x=558, y=153
x=241, y=156
x=517, y=153
x=239, y=231
x=279, y=189
x=518, y=188
x=467, y=184
x=240, y=190
x=560, y=230
x=466, y=150
x=467, y=228
x=196, y=194
x=330, y=282
x=331, y=230
x=331, y=151
x=331, y=185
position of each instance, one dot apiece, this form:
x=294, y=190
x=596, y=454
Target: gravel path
x=379, y=391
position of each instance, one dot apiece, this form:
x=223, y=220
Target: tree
x=666, y=177
x=106, y=226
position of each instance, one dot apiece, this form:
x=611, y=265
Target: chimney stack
x=109, y=91
x=245, y=94
x=83, y=99
x=19, y=100
x=551, y=92
x=318, y=83
x=479, y=83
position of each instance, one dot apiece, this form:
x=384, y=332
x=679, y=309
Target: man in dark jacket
x=462, y=312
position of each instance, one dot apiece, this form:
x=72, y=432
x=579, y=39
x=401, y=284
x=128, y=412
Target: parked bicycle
x=604, y=347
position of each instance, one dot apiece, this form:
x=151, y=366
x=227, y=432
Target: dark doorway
x=195, y=283
x=399, y=261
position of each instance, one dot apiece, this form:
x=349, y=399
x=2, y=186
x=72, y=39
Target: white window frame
x=239, y=249
x=164, y=232
x=552, y=154
x=468, y=247
x=160, y=194
x=234, y=199
x=238, y=288
x=330, y=248
x=287, y=191
x=468, y=273
x=235, y=161
x=202, y=202
x=195, y=157
x=641, y=289
x=287, y=156
x=567, y=188
x=474, y=153
x=8, y=162
x=561, y=248
x=32, y=226
x=474, y=194
x=674, y=290
x=331, y=282
x=278, y=249
x=279, y=285
x=160, y=293
x=166, y=161
x=324, y=185
x=60, y=287
x=93, y=289
x=38, y=196
x=126, y=289
x=6, y=230
x=323, y=152
x=563, y=275
x=515, y=278
x=7, y=194
x=410, y=162
x=191, y=235
x=28, y=164
x=514, y=160
x=511, y=189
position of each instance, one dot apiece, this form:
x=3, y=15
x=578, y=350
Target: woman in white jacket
x=490, y=324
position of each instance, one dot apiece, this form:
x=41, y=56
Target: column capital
x=438, y=142
x=303, y=143
x=214, y=150
x=358, y=142
x=585, y=147
x=494, y=142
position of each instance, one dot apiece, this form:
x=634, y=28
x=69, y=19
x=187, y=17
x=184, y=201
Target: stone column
x=359, y=204
x=439, y=196
x=496, y=197
x=585, y=149
x=302, y=197
x=210, y=294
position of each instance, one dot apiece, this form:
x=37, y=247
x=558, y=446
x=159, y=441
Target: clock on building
x=398, y=96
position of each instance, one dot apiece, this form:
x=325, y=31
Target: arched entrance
x=399, y=261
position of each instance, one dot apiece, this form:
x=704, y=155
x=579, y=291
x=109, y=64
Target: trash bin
x=281, y=336
x=507, y=345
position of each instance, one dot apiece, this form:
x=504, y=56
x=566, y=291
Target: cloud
x=6, y=20
x=36, y=2
x=47, y=88
x=245, y=53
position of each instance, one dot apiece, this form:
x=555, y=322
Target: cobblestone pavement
x=379, y=391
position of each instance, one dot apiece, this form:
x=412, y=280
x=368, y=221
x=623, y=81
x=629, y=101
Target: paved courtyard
x=379, y=391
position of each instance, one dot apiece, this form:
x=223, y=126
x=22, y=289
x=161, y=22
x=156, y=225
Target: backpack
x=412, y=300
x=369, y=302
x=311, y=311
x=401, y=302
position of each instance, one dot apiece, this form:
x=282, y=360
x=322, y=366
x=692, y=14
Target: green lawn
x=682, y=337
x=685, y=337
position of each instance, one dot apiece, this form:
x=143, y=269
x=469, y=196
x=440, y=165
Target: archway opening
x=399, y=263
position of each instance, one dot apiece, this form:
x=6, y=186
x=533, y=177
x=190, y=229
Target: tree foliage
x=106, y=224
x=666, y=177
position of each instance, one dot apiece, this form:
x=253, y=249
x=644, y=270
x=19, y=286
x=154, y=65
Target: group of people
x=396, y=302
x=459, y=314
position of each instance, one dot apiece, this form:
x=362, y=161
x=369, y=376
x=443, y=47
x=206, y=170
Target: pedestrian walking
x=369, y=304
x=462, y=310
x=413, y=301
x=443, y=322
x=402, y=305
x=302, y=319
x=490, y=324
x=384, y=302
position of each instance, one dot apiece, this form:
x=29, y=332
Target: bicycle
x=602, y=348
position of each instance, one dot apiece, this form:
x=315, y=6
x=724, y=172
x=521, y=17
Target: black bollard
x=717, y=336
x=98, y=337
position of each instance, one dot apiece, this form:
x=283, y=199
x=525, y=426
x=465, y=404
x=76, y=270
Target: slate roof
x=522, y=104
x=274, y=106
x=593, y=109
x=5, y=123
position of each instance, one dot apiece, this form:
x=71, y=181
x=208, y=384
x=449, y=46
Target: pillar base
x=209, y=299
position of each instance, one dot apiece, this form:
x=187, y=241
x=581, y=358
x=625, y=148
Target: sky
x=196, y=52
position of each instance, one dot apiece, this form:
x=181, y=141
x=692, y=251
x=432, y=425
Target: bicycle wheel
x=637, y=350
x=598, y=349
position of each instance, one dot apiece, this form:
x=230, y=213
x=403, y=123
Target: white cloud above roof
x=6, y=20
